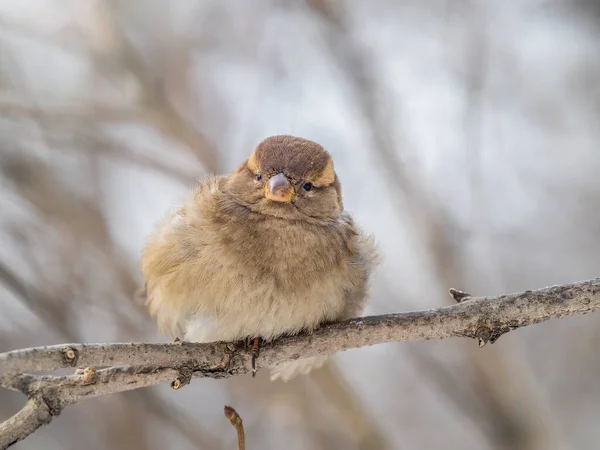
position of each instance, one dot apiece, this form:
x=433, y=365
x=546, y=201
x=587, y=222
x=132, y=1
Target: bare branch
x=156, y=105
x=479, y=317
x=146, y=364
x=33, y=415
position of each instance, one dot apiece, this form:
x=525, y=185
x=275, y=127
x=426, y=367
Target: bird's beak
x=279, y=189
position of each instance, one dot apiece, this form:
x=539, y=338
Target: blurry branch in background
x=82, y=123
x=363, y=428
x=102, y=38
x=83, y=223
x=44, y=307
x=369, y=97
x=115, y=50
x=353, y=60
x=134, y=366
x=441, y=236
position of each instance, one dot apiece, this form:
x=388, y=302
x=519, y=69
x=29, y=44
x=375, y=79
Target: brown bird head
x=290, y=178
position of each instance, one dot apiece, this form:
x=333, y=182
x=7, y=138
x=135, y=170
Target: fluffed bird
x=265, y=251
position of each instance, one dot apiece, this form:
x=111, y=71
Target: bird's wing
x=365, y=258
x=171, y=260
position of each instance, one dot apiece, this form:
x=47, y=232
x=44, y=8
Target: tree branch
x=146, y=364
x=33, y=415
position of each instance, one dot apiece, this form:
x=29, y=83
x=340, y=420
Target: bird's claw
x=255, y=352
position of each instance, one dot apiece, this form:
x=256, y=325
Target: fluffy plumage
x=233, y=263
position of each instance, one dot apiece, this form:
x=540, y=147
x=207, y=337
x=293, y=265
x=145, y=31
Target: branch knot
x=70, y=355
x=185, y=376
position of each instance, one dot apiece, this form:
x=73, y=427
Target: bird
x=264, y=251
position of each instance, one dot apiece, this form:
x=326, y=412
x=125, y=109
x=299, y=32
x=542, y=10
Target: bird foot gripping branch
x=255, y=352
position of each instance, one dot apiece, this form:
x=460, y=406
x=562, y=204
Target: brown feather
x=299, y=159
x=326, y=176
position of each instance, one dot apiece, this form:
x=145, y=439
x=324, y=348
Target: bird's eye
x=307, y=186
x=259, y=177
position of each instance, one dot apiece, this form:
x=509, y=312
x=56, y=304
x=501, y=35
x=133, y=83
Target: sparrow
x=264, y=251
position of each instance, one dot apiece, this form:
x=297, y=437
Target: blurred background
x=465, y=135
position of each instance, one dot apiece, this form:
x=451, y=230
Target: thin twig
x=144, y=364
x=238, y=424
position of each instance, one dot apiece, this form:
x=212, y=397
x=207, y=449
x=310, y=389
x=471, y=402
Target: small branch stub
x=88, y=375
x=459, y=296
x=70, y=355
x=184, y=378
x=484, y=335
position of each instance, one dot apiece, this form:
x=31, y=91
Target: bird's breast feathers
x=219, y=272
